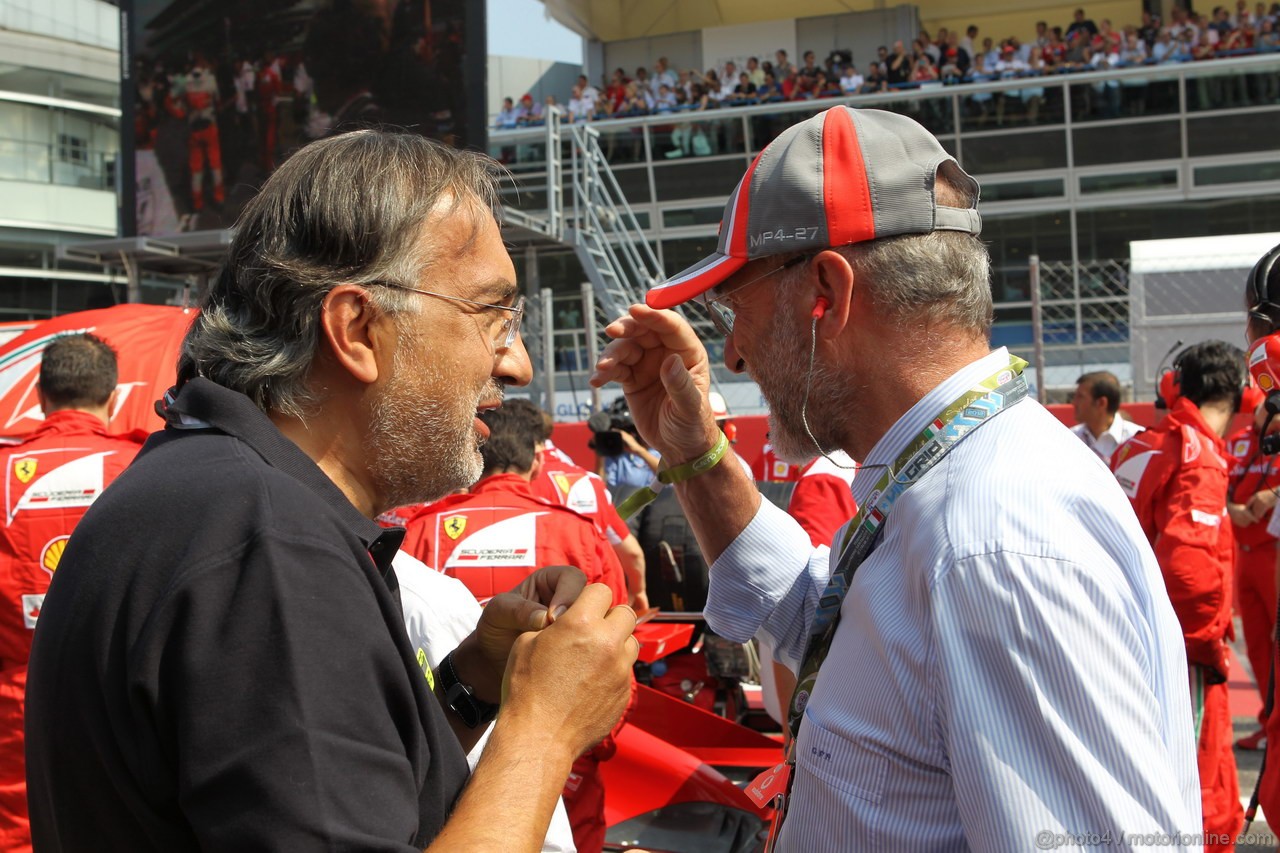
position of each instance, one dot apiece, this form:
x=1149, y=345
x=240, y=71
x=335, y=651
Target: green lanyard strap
x=642, y=497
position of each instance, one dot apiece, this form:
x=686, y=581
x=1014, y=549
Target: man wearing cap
x=1003, y=666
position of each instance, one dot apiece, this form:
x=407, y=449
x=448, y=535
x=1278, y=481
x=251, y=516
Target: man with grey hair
x=222, y=663
x=1003, y=669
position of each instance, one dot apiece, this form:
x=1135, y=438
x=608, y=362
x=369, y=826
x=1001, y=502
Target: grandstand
x=1076, y=159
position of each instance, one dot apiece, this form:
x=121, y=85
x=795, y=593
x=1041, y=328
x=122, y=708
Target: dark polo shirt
x=221, y=662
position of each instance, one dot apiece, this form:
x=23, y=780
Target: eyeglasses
x=507, y=332
x=721, y=314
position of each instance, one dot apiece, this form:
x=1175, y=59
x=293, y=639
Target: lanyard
x=967, y=412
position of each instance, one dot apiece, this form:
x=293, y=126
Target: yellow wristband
x=641, y=498
x=701, y=465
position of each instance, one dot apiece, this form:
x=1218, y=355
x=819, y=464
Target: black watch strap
x=461, y=699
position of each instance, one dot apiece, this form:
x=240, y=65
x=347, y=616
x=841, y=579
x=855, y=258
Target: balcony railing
x=53, y=163
x=1058, y=121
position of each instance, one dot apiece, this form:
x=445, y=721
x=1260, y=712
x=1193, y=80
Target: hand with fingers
x=574, y=677
x=665, y=373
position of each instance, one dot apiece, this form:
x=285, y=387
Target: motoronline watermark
x=1047, y=839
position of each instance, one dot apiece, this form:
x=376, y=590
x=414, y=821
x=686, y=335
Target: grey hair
x=348, y=209
x=920, y=281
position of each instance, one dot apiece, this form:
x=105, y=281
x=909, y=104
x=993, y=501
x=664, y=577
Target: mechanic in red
x=559, y=480
x=1254, y=478
x=494, y=536
x=822, y=500
x=768, y=468
x=1175, y=475
x=50, y=480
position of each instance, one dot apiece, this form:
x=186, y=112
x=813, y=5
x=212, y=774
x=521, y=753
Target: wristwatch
x=461, y=699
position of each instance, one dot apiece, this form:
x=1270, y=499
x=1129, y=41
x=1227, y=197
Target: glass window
x=706, y=179
x=684, y=217
x=1232, y=134
x=1124, y=143
x=698, y=134
x=1216, y=88
x=1237, y=174
x=1106, y=232
x=1016, y=190
x=1014, y=152
x=1013, y=239
x=1129, y=182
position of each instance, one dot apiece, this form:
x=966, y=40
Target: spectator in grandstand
x=929, y=48
x=51, y=478
x=991, y=52
x=861, y=336
x=781, y=65
x=1081, y=24
x=582, y=103
x=950, y=72
x=1176, y=475
x=754, y=72
x=615, y=94
x=745, y=91
x=967, y=44
x=875, y=81
x=232, y=582
x=809, y=69
x=898, y=66
x=850, y=81
x=769, y=89
x=1096, y=407
x=728, y=81
x=643, y=82
x=711, y=85
x=507, y=115
x=662, y=73
x=1150, y=29
x=529, y=111
x=666, y=101
x=924, y=72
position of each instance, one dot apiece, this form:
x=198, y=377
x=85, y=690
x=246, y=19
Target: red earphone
x=820, y=307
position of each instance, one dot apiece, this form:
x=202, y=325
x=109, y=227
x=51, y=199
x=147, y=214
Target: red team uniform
x=1175, y=475
x=768, y=468
x=1255, y=566
x=493, y=538
x=50, y=480
x=822, y=500
x=568, y=485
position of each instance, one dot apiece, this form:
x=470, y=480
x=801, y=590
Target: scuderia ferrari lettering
x=809, y=232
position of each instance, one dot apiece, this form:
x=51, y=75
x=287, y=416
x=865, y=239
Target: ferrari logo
x=562, y=483
x=25, y=469
x=454, y=526
x=51, y=555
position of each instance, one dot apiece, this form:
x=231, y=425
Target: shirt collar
x=1116, y=430
x=200, y=401
x=926, y=409
x=70, y=419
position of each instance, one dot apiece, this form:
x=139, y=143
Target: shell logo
x=51, y=554
x=1265, y=382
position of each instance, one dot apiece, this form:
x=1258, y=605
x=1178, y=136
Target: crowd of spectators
x=944, y=58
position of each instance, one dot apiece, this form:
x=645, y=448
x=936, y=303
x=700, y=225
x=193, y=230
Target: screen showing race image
x=223, y=91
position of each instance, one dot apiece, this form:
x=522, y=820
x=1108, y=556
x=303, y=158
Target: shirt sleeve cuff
x=771, y=562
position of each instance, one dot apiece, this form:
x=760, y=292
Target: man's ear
x=353, y=330
x=834, y=284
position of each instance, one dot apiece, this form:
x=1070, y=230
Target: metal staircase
x=601, y=227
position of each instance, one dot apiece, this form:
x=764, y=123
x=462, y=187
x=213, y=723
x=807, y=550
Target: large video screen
x=220, y=92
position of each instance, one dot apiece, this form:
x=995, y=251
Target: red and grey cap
x=844, y=176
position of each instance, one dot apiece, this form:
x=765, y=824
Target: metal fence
x=1131, y=316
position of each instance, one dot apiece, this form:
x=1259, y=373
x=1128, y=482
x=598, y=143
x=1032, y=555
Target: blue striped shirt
x=1007, y=661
